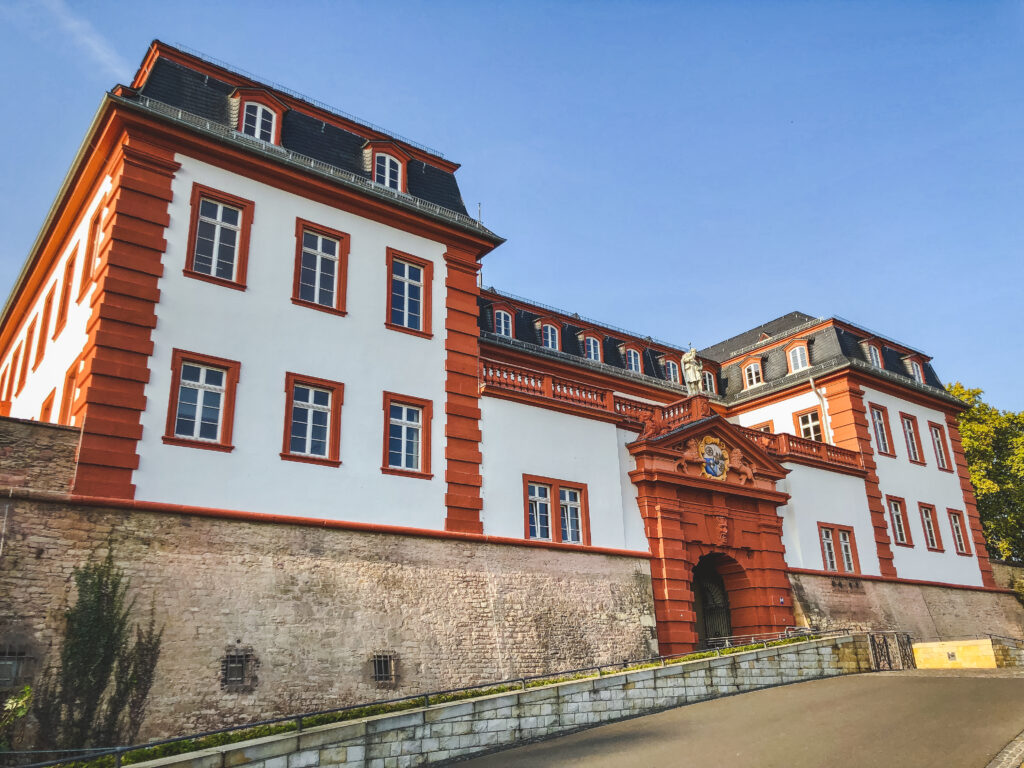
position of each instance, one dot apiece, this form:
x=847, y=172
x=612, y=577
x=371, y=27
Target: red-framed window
x=633, y=358
x=874, y=355
x=912, y=434
x=764, y=426
x=65, y=294
x=797, y=356
x=592, y=348
x=5, y=384
x=407, y=435
x=30, y=345
x=550, y=335
x=259, y=114
x=930, y=524
x=69, y=394
x=899, y=521
x=503, y=320
x=710, y=379
x=943, y=458
x=838, y=548
x=879, y=417
x=390, y=170
x=809, y=424
x=44, y=325
x=961, y=539
x=201, y=405
x=218, y=237
x=21, y=358
x=46, y=411
x=312, y=420
x=752, y=373
x=672, y=372
x=92, y=238
x=555, y=510
x=410, y=285
x=321, y=267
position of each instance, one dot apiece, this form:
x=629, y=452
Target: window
x=69, y=394
x=838, y=548
x=321, y=266
x=65, y=295
x=956, y=522
x=880, y=424
x=44, y=326
x=21, y=360
x=15, y=665
x=914, y=450
x=258, y=121
x=569, y=524
x=752, y=375
x=939, y=444
x=672, y=371
x=406, y=436
x=387, y=171
x=30, y=338
x=549, y=336
x=808, y=424
x=202, y=401
x=916, y=371
x=709, y=381
x=899, y=522
x=218, y=249
x=238, y=668
x=767, y=426
x=503, y=323
x=932, y=539
x=312, y=427
x=798, y=358
x=592, y=348
x=874, y=356
x=89, y=256
x=46, y=411
x=633, y=360
x=383, y=669
x=409, y=286
x=5, y=385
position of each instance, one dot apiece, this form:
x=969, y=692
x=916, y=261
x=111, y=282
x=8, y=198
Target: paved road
x=933, y=719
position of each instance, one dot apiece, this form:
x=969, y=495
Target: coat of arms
x=715, y=455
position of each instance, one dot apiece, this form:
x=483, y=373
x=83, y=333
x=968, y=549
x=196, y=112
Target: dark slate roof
x=178, y=86
x=723, y=350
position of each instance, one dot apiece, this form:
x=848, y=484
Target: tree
x=993, y=443
x=15, y=707
x=97, y=696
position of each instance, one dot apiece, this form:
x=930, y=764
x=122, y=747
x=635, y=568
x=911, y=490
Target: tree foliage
x=994, y=448
x=15, y=707
x=97, y=696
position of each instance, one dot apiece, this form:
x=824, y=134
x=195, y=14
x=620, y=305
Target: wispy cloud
x=72, y=27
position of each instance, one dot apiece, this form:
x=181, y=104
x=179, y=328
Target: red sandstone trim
x=427, y=293
x=246, y=208
x=896, y=580
x=341, y=270
x=970, y=502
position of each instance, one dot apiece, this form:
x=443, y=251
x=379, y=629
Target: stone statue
x=692, y=368
x=691, y=455
x=739, y=463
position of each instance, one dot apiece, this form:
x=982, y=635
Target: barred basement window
x=383, y=668
x=14, y=665
x=238, y=669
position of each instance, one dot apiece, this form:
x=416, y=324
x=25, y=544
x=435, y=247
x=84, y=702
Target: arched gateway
x=707, y=495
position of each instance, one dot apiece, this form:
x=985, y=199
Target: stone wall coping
x=39, y=424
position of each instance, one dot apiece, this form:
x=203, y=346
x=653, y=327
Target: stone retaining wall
x=441, y=734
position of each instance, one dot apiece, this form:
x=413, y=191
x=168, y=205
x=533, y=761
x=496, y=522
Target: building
x=282, y=390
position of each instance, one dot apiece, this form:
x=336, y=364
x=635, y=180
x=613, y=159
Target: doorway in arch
x=710, y=601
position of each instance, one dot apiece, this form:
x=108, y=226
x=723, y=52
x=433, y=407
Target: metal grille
x=891, y=650
x=382, y=668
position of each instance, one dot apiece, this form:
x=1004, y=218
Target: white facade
x=780, y=413
x=263, y=330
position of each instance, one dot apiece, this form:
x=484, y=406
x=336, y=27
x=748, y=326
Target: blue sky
x=684, y=170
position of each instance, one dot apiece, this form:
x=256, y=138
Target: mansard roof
x=773, y=329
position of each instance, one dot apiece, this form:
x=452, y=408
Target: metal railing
x=432, y=698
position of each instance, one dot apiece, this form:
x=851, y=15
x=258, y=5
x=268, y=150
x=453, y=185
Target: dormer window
x=916, y=371
x=709, y=381
x=752, y=375
x=592, y=348
x=503, y=323
x=258, y=121
x=874, y=356
x=633, y=360
x=387, y=170
x=672, y=371
x=798, y=358
x=549, y=336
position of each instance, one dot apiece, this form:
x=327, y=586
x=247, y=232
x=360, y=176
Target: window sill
x=942, y=469
x=322, y=308
x=410, y=331
x=58, y=329
x=935, y=549
x=188, y=443
x=406, y=473
x=908, y=545
x=887, y=455
x=918, y=463
x=311, y=459
x=215, y=280
x=965, y=554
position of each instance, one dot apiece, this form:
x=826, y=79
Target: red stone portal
x=704, y=489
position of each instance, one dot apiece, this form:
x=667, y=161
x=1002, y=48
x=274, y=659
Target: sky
x=686, y=170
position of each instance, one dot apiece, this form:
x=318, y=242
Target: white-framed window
x=916, y=371
x=899, y=522
x=810, y=425
x=217, y=234
x=388, y=171
x=846, y=548
x=572, y=530
x=549, y=336
x=200, y=403
x=928, y=520
x=311, y=416
x=406, y=294
x=318, y=272
x=829, y=549
x=503, y=323
x=672, y=371
x=405, y=431
x=539, y=499
x=874, y=356
x=633, y=360
x=258, y=121
x=752, y=374
x=798, y=358
x=939, y=441
x=956, y=523
x=592, y=348
x=881, y=435
x=910, y=432
x=709, y=381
